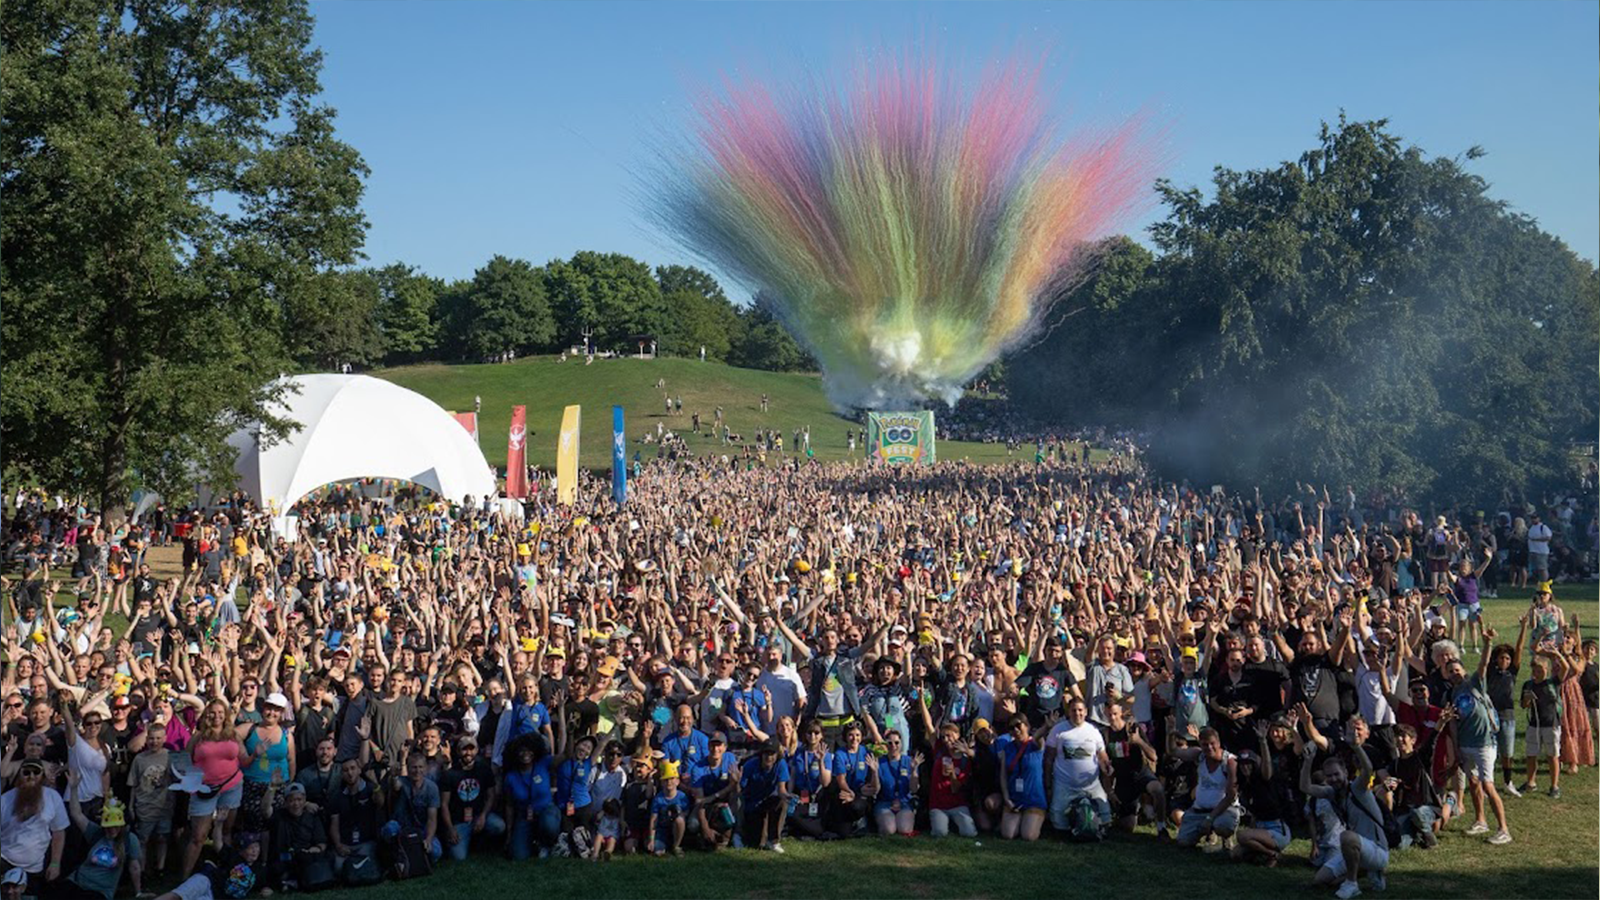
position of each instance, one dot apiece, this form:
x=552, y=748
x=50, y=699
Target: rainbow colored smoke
x=906, y=229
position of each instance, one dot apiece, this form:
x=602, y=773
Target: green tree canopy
x=170, y=180
x=1365, y=315
x=612, y=294
x=698, y=313
x=502, y=309
x=765, y=344
x=408, y=313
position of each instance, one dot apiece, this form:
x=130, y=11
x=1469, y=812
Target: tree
x=698, y=313
x=612, y=294
x=766, y=344
x=331, y=319
x=504, y=309
x=407, y=312
x=1364, y=315
x=170, y=179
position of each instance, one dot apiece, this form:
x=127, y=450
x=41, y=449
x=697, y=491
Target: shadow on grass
x=921, y=868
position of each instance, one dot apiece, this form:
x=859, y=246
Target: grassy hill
x=546, y=385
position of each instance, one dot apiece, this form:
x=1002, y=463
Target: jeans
x=542, y=830
x=493, y=826
x=940, y=820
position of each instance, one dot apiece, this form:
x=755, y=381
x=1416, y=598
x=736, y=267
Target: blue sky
x=514, y=128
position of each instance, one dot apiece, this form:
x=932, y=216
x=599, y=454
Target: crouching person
x=1363, y=846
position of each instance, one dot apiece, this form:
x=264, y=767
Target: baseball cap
x=294, y=787
x=276, y=698
x=15, y=876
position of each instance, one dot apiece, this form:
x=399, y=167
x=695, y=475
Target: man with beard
x=471, y=796
x=33, y=826
x=1363, y=845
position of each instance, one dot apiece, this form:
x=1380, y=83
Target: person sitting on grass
x=714, y=783
x=1363, y=846
x=1216, y=793
x=669, y=813
x=764, y=792
x=896, y=809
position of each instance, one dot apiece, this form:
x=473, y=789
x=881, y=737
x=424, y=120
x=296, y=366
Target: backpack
x=411, y=858
x=1083, y=823
x=1392, y=831
x=362, y=870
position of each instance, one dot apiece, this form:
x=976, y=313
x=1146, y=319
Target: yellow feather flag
x=567, y=456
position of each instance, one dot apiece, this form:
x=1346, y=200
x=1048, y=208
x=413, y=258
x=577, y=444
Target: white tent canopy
x=354, y=426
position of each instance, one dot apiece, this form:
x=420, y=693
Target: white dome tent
x=355, y=426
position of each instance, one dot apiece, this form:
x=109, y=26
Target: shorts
x=1128, y=791
x=1478, y=762
x=1539, y=562
x=1471, y=613
x=1373, y=859
x=154, y=826
x=1506, y=738
x=1279, y=829
x=1544, y=741
x=1196, y=824
x=222, y=801
x=1438, y=566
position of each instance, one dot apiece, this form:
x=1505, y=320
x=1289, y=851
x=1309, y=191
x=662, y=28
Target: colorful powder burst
x=907, y=229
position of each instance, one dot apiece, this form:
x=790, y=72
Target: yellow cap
x=802, y=566
x=667, y=769
x=530, y=645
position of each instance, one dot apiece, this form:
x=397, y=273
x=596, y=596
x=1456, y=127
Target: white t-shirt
x=1539, y=538
x=90, y=764
x=26, y=844
x=1077, y=753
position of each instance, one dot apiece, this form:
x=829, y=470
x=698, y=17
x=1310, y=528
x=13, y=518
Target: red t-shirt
x=950, y=777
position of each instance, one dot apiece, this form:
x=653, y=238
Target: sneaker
x=1377, y=882
x=1529, y=786
x=1500, y=837
x=1512, y=789
x=1555, y=793
x=1347, y=890
x=544, y=852
x=1429, y=839
x=775, y=847
x=1479, y=828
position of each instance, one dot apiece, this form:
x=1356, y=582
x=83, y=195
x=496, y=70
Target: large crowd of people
x=744, y=656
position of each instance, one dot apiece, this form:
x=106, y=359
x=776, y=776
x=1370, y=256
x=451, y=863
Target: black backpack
x=411, y=858
x=361, y=870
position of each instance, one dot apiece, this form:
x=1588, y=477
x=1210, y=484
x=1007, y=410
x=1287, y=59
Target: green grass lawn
x=1554, y=855
x=546, y=386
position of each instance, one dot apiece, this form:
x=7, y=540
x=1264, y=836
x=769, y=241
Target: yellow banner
x=567, y=456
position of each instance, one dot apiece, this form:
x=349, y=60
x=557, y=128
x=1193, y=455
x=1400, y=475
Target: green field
x=546, y=386
x=1554, y=855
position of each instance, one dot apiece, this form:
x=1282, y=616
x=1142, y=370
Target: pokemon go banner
x=901, y=437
